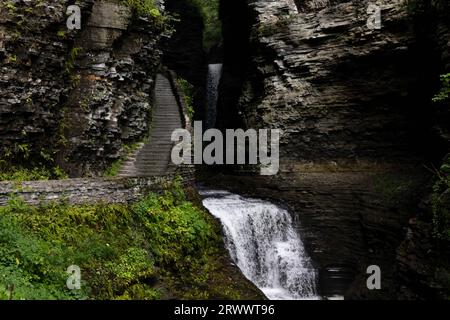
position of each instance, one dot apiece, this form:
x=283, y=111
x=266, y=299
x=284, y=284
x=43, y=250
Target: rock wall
x=76, y=96
x=355, y=107
x=339, y=90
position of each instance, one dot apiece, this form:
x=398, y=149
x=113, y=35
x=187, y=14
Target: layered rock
x=338, y=89
x=354, y=103
x=79, y=95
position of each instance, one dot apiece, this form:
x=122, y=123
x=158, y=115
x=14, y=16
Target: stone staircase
x=152, y=158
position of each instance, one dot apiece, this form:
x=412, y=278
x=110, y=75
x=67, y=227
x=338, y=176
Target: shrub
x=188, y=93
x=120, y=249
x=444, y=93
x=440, y=203
x=213, y=26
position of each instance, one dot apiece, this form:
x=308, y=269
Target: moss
x=61, y=34
x=70, y=61
x=161, y=247
x=17, y=163
x=12, y=58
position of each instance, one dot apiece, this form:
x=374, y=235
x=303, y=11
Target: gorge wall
x=76, y=97
x=339, y=90
x=354, y=104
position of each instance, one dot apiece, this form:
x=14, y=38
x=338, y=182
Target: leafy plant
x=122, y=250
x=440, y=202
x=12, y=58
x=114, y=168
x=70, y=62
x=148, y=8
x=213, y=26
x=444, y=93
x=61, y=33
x=188, y=93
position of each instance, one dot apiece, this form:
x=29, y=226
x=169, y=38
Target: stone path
x=153, y=158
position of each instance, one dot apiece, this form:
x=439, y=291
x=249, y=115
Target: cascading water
x=263, y=243
x=214, y=75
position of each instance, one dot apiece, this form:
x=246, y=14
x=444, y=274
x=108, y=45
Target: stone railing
x=82, y=191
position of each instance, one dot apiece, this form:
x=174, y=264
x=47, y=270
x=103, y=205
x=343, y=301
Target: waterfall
x=214, y=75
x=263, y=243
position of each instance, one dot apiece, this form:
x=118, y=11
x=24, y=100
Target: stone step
x=154, y=157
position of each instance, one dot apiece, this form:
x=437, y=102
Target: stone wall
x=82, y=191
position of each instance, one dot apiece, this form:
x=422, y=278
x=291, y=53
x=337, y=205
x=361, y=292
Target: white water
x=263, y=243
x=214, y=75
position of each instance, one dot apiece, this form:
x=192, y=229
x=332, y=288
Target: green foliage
x=61, y=33
x=30, y=267
x=148, y=8
x=11, y=7
x=70, y=62
x=12, y=59
x=37, y=244
x=143, y=7
x=440, y=203
x=16, y=165
x=176, y=228
x=114, y=168
x=135, y=263
x=37, y=173
x=122, y=250
x=444, y=94
x=188, y=93
x=213, y=26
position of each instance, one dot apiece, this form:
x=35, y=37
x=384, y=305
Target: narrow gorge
x=359, y=90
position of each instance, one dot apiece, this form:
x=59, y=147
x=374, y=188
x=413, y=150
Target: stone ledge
x=83, y=191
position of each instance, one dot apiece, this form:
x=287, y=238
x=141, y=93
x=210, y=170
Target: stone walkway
x=153, y=158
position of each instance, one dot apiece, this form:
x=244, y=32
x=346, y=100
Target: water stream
x=214, y=75
x=262, y=241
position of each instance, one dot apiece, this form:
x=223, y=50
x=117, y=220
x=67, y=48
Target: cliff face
x=78, y=96
x=339, y=90
x=354, y=104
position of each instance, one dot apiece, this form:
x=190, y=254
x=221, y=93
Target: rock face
x=338, y=89
x=354, y=103
x=79, y=96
